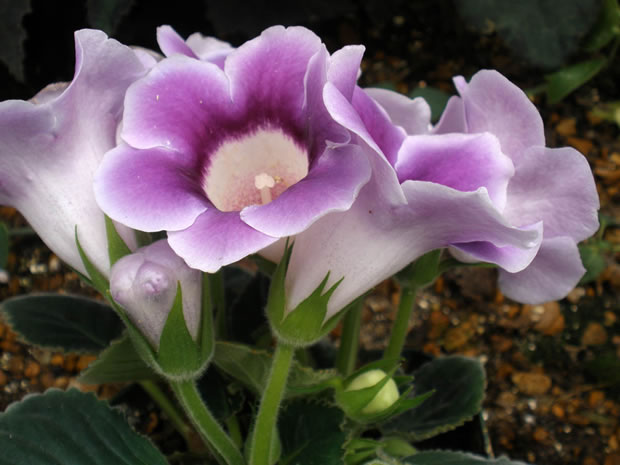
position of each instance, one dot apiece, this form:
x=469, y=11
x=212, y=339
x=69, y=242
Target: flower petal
x=555, y=271
x=343, y=112
x=176, y=105
x=344, y=67
x=556, y=186
x=372, y=241
x=148, y=189
x=331, y=185
x=267, y=73
x=50, y=151
x=171, y=43
x=413, y=115
x=217, y=239
x=494, y=104
x=464, y=162
x=453, y=117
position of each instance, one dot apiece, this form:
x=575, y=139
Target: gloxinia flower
x=145, y=285
x=51, y=146
x=426, y=192
x=228, y=161
x=554, y=186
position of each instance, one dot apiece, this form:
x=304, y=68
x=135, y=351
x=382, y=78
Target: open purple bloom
x=228, y=161
x=196, y=46
x=426, y=192
x=145, y=285
x=52, y=145
x=552, y=186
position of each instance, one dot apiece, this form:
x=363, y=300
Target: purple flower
x=552, y=186
x=52, y=145
x=229, y=160
x=196, y=46
x=145, y=285
x=426, y=192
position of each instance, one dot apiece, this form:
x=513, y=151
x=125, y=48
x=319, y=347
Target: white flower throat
x=254, y=170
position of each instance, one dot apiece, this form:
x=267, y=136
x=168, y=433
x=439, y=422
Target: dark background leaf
x=455, y=458
x=459, y=389
x=67, y=322
x=310, y=434
x=13, y=34
x=70, y=428
x=4, y=245
x=107, y=14
x=544, y=32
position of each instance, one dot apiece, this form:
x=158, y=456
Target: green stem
x=265, y=426
x=401, y=324
x=219, y=300
x=208, y=427
x=164, y=403
x=349, y=341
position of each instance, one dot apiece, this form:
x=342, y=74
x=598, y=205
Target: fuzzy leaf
x=68, y=322
x=593, y=261
x=70, y=428
x=119, y=363
x=311, y=434
x=458, y=383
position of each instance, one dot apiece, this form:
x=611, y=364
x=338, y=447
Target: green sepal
x=95, y=277
x=305, y=324
x=117, y=248
x=180, y=357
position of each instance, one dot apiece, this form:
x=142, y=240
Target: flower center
x=253, y=170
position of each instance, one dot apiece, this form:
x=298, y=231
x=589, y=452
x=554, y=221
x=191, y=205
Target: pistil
x=263, y=182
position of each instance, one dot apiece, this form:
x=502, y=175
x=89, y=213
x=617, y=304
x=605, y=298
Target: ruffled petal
x=344, y=67
x=555, y=271
x=494, y=104
x=177, y=105
x=209, y=48
x=557, y=187
x=172, y=43
x=343, y=112
x=217, y=239
x=148, y=190
x=372, y=240
x=332, y=185
x=453, y=117
x=267, y=73
x=413, y=115
x=50, y=151
x=464, y=162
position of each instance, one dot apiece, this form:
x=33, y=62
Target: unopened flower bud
x=145, y=284
x=384, y=399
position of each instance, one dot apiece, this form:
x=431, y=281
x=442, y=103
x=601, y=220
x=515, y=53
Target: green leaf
x=593, y=261
x=458, y=383
x=119, y=363
x=455, y=458
x=68, y=322
x=4, y=245
x=544, y=32
x=437, y=99
x=563, y=82
x=311, y=434
x=70, y=428
x=108, y=14
x=250, y=367
x=223, y=399
x=605, y=368
x=117, y=248
x=13, y=35
x=606, y=28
